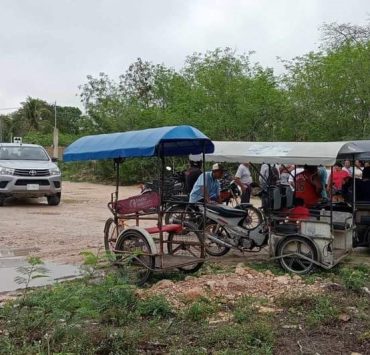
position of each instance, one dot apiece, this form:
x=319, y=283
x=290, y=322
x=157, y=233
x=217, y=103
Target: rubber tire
x=169, y=246
x=130, y=233
x=224, y=249
x=107, y=225
x=303, y=240
x=54, y=200
x=2, y=200
x=168, y=213
x=256, y=212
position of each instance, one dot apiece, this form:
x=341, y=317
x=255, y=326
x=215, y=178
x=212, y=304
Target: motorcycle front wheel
x=213, y=248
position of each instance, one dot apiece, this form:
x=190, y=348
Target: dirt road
x=59, y=233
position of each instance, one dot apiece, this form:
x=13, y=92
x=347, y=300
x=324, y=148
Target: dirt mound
x=243, y=282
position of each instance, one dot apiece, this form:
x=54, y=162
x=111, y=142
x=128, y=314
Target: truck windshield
x=23, y=153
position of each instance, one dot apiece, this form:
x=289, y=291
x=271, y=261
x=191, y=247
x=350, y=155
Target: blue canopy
x=170, y=141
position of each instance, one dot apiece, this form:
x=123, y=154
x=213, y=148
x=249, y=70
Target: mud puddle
x=12, y=259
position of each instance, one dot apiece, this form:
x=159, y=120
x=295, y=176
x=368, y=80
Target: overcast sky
x=47, y=47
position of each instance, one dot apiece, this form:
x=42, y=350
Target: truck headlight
x=6, y=171
x=54, y=171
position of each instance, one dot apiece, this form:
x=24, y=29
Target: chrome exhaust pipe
x=218, y=241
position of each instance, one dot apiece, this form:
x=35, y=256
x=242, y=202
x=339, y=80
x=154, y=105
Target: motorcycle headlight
x=54, y=171
x=6, y=171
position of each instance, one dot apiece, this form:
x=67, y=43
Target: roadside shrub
x=355, y=279
x=245, y=310
x=156, y=306
x=247, y=339
x=199, y=310
x=323, y=312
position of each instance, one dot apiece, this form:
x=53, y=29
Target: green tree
x=329, y=91
x=35, y=114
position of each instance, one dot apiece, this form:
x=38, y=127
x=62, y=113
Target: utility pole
x=55, y=135
x=1, y=129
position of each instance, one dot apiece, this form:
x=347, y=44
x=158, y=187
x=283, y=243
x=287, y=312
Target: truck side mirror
x=54, y=160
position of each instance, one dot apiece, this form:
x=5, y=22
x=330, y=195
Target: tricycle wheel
x=178, y=245
x=219, y=232
x=295, y=263
x=111, y=233
x=134, y=256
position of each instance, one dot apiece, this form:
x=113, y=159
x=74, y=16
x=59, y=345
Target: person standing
x=285, y=173
x=336, y=181
x=347, y=167
x=244, y=179
x=323, y=174
x=308, y=186
x=269, y=176
x=192, y=174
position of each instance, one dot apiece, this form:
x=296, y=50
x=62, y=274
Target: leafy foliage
x=323, y=95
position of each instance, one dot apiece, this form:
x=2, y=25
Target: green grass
x=262, y=266
x=313, y=310
x=246, y=309
x=106, y=316
x=355, y=278
x=156, y=306
x=200, y=310
x=256, y=338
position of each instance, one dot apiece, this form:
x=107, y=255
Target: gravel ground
x=59, y=233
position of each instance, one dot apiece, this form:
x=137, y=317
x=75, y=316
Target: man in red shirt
x=308, y=186
x=337, y=180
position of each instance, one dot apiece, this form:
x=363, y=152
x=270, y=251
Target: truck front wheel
x=54, y=200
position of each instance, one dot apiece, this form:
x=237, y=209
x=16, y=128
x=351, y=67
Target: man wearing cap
x=212, y=191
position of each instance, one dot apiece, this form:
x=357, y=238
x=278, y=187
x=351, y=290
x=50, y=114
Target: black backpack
x=273, y=176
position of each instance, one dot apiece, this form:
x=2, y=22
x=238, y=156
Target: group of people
x=312, y=184
x=194, y=182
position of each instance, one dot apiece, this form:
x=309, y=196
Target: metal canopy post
x=331, y=199
x=203, y=251
x=353, y=193
x=117, y=162
x=161, y=206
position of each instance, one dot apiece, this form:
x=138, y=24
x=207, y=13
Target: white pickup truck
x=26, y=170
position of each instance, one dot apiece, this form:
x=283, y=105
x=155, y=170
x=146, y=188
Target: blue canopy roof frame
x=165, y=141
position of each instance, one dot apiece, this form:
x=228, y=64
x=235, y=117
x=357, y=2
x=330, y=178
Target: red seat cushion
x=176, y=228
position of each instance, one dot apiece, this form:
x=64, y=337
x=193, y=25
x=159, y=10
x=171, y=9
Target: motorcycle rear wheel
x=253, y=219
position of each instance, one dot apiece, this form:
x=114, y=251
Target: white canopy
x=365, y=146
x=300, y=153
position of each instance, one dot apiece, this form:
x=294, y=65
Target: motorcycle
x=173, y=184
x=179, y=208
x=230, y=228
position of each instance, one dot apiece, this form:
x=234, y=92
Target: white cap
x=217, y=166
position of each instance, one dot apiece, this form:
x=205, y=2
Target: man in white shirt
x=244, y=179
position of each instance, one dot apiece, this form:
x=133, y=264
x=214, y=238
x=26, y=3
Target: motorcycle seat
x=226, y=211
x=243, y=206
x=179, y=198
